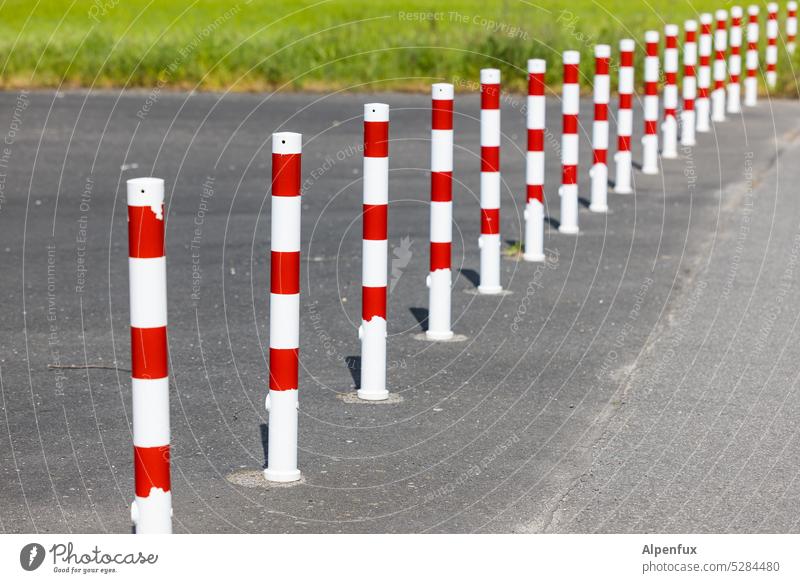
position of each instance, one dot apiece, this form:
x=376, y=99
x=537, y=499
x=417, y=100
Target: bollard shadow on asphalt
x=264, y=428
x=421, y=315
x=354, y=366
x=471, y=275
x=554, y=223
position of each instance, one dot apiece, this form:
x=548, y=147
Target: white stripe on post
x=669, y=126
x=489, y=241
x=151, y=511
x=599, y=171
x=570, y=105
x=703, y=105
x=735, y=61
x=284, y=308
x=624, y=162
x=720, y=47
x=534, y=169
x=689, y=83
x=772, y=44
x=440, y=277
x=650, y=138
x=751, y=80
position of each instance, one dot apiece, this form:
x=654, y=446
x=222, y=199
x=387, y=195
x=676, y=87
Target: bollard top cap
x=772, y=7
x=690, y=25
x=752, y=9
x=287, y=143
x=490, y=76
x=572, y=57
x=376, y=112
x=736, y=12
x=706, y=18
x=146, y=191
x=721, y=14
x=791, y=5
x=443, y=91
x=537, y=65
x=602, y=51
x=670, y=30
x=651, y=36
x=627, y=45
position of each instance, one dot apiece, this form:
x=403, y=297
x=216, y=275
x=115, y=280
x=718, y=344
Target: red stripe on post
x=569, y=175
x=601, y=65
x=373, y=302
x=442, y=114
x=490, y=96
x=600, y=157
x=285, y=272
x=601, y=112
x=145, y=232
x=570, y=124
x=149, y=353
x=650, y=127
x=535, y=83
x=626, y=101
x=490, y=221
x=626, y=59
x=441, y=186
x=624, y=143
x=535, y=140
x=285, y=174
x=490, y=158
x=535, y=192
x=375, y=221
x=283, y=366
x=151, y=469
x=440, y=256
x=571, y=72
x=376, y=139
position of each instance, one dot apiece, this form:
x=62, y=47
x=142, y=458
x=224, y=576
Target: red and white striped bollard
x=735, y=61
x=599, y=170
x=570, y=107
x=151, y=511
x=622, y=158
x=650, y=138
x=440, y=278
x=702, y=105
x=772, y=44
x=669, y=127
x=751, y=80
x=489, y=241
x=720, y=47
x=534, y=167
x=791, y=26
x=375, y=253
x=689, y=83
x=284, y=308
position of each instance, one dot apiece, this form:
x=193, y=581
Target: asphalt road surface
x=643, y=380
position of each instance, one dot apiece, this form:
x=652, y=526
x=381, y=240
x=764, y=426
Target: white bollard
x=489, y=241
x=151, y=511
x=689, y=83
x=570, y=106
x=622, y=159
x=669, y=126
x=751, y=80
x=772, y=44
x=702, y=104
x=440, y=279
x=720, y=46
x=650, y=138
x=735, y=61
x=534, y=168
x=791, y=26
x=599, y=170
x=284, y=308
x=375, y=253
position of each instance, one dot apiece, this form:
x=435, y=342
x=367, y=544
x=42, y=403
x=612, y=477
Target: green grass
x=355, y=44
